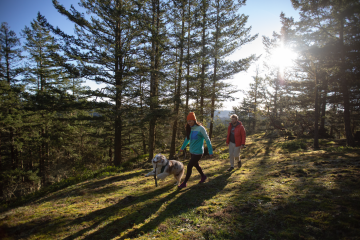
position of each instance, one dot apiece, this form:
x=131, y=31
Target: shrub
x=294, y=145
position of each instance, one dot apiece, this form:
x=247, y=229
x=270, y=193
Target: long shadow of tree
x=308, y=210
x=184, y=201
x=46, y=225
x=102, y=215
x=90, y=187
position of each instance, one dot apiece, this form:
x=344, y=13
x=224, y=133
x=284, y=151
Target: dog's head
x=159, y=159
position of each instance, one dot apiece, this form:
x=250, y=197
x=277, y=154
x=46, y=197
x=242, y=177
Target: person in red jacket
x=236, y=137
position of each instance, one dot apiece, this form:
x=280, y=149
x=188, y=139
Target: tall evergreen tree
x=10, y=53
x=103, y=47
x=256, y=96
x=332, y=27
x=155, y=27
x=181, y=46
x=10, y=68
x=228, y=35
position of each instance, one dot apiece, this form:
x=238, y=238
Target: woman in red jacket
x=236, y=137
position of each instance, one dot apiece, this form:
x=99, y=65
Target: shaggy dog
x=165, y=167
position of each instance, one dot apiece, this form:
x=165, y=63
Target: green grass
x=277, y=194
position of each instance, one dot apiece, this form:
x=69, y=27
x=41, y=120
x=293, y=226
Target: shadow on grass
x=317, y=204
x=99, y=217
x=308, y=211
x=90, y=187
x=190, y=199
x=185, y=199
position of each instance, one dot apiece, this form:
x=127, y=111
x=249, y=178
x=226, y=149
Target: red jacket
x=240, y=134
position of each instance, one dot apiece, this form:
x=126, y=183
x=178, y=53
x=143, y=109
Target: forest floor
x=284, y=190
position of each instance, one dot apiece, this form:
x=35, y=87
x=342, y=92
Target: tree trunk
x=276, y=93
x=154, y=79
x=118, y=96
x=110, y=154
x=323, y=108
x=203, y=64
x=188, y=63
x=347, y=118
x=142, y=114
x=12, y=148
x=178, y=90
x=42, y=159
x=316, y=127
x=345, y=91
x=213, y=96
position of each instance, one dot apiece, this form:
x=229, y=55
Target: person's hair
x=188, y=128
x=234, y=116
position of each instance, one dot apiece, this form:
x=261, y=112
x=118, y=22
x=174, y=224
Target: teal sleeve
x=207, y=140
x=185, y=143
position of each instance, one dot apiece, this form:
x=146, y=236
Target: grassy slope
x=277, y=194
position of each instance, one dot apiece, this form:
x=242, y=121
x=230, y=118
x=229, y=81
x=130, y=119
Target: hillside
x=284, y=190
x=223, y=114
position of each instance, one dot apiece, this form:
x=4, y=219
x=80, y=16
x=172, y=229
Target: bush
x=294, y=145
x=15, y=183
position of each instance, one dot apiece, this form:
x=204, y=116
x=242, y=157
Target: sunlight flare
x=282, y=57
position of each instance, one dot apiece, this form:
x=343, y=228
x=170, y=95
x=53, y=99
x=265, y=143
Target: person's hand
x=242, y=146
x=211, y=155
x=227, y=144
x=181, y=150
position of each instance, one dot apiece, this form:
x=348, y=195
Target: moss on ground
x=284, y=190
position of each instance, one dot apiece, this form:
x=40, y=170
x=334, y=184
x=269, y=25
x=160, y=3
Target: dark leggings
x=194, y=162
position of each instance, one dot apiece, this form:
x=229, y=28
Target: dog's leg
x=179, y=176
x=150, y=174
x=163, y=175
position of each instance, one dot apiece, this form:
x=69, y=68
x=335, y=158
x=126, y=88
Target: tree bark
x=323, y=108
x=178, y=90
x=345, y=90
x=316, y=127
x=203, y=64
x=154, y=79
x=118, y=96
x=188, y=63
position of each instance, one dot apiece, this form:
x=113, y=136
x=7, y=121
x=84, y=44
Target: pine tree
x=181, y=46
x=156, y=37
x=10, y=69
x=103, y=47
x=43, y=78
x=332, y=27
x=256, y=96
x=228, y=35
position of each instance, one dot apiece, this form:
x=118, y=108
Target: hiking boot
x=230, y=169
x=203, y=178
x=239, y=164
x=182, y=185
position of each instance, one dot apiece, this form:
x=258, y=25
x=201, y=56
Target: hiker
x=195, y=134
x=236, y=137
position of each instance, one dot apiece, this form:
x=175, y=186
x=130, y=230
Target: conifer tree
x=155, y=35
x=103, y=47
x=204, y=25
x=181, y=5
x=332, y=28
x=10, y=53
x=10, y=69
x=256, y=96
x=228, y=35
x=43, y=78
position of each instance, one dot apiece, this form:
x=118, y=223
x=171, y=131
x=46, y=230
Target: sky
x=264, y=19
